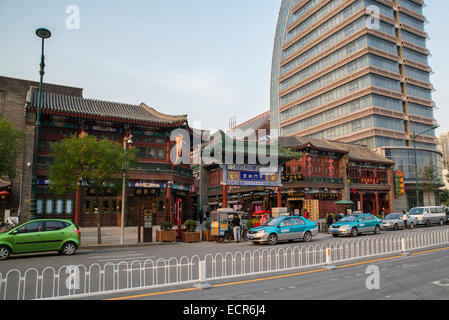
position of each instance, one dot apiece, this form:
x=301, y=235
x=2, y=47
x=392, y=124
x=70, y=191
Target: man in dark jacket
x=236, y=227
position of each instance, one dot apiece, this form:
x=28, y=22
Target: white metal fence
x=82, y=281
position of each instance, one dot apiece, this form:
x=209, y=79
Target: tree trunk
x=98, y=220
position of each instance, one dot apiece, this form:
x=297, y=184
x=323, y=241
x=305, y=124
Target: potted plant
x=166, y=234
x=189, y=235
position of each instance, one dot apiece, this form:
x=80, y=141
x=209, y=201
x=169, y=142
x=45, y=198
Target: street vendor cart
x=221, y=224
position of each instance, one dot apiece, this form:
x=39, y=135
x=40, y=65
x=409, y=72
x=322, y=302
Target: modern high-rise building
x=357, y=71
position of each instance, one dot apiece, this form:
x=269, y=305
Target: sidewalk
x=110, y=238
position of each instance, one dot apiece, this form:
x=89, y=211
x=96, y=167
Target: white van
x=429, y=215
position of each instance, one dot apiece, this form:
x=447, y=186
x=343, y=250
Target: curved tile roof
x=255, y=123
x=61, y=104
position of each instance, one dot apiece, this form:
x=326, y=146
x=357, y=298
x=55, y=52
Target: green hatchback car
x=41, y=235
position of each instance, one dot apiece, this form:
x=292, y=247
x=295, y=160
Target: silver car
x=394, y=221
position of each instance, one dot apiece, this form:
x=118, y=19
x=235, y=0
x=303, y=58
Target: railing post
x=329, y=265
x=202, y=285
x=404, y=248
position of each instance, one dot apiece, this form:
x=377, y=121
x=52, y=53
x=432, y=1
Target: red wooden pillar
x=77, y=206
x=279, y=197
x=361, y=202
x=168, y=204
x=138, y=222
x=225, y=196
x=376, y=205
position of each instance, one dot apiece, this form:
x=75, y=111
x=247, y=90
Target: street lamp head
x=43, y=33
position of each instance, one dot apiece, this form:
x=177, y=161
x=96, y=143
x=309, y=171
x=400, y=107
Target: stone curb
x=126, y=245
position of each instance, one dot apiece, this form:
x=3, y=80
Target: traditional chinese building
x=331, y=171
x=155, y=186
x=236, y=178
x=327, y=172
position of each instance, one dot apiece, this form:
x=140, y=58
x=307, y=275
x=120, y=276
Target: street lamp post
x=416, y=161
x=43, y=34
x=127, y=140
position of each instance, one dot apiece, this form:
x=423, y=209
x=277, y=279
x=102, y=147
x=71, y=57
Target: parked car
x=429, y=215
x=283, y=228
x=394, y=221
x=355, y=224
x=40, y=236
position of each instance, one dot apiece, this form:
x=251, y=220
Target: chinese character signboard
x=292, y=177
x=369, y=180
x=251, y=175
x=147, y=192
x=326, y=196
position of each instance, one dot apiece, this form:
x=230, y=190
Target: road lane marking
x=442, y=283
x=153, y=258
x=428, y=251
x=271, y=278
x=154, y=294
x=116, y=255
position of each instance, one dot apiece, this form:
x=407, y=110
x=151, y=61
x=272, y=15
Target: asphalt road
x=88, y=257
x=113, y=259
x=424, y=275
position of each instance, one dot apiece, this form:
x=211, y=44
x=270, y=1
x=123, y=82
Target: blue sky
x=210, y=59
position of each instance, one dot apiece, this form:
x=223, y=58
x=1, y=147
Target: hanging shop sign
x=179, y=193
x=295, y=195
x=147, y=185
x=253, y=197
x=399, y=183
x=104, y=193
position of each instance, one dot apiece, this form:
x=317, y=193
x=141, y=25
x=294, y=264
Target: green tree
x=444, y=197
x=97, y=164
x=429, y=180
x=11, y=146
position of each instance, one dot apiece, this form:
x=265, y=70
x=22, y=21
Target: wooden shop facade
x=155, y=186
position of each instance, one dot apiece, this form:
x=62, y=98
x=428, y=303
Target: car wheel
x=272, y=239
x=69, y=249
x=354, y=232
x=428, y=223
x=377, y=230
x=396, y=227
x=335, y=235
x=227, y=237
x=4, y=252
x=307, y=236
x=412, y=225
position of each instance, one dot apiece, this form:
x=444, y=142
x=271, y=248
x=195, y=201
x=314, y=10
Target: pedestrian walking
x=330, y=220
x=306, y=214
x=236, y=227
x=405, y=219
